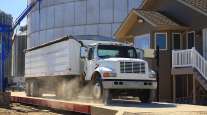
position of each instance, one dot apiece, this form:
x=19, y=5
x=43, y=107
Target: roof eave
x=144, y=3
x=123, y=26
x=170, y=27
x=192, y=7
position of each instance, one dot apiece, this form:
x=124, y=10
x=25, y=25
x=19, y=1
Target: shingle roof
x=156, y=18
x=200, y=5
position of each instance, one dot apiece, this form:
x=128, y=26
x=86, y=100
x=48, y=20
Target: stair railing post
x=193, y=58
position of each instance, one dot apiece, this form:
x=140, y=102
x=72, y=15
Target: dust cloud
x=75, y=90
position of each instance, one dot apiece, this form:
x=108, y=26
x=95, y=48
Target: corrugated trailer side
x=62, y=58
x=51, y=66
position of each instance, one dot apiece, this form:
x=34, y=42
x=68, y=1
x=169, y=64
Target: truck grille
x=132, y=67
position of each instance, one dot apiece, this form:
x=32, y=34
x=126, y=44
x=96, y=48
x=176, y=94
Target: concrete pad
x=121, y=107
x=102, y=111
x=136, y=108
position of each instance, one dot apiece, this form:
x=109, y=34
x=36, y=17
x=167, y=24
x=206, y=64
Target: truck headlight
x=109, y=74
x=152, y=74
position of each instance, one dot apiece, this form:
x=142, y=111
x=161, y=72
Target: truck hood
x=122, y=59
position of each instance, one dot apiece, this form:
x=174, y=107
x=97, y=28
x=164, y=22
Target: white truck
x=111, y=68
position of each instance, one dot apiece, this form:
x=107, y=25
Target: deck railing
x=189, y=58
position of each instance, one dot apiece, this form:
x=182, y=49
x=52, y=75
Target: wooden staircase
x=200, y=79
x=192, y=59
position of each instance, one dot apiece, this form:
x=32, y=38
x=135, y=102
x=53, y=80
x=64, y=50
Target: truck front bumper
x=129, y=84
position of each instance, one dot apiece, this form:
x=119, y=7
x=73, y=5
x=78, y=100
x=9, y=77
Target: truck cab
x=117, y=69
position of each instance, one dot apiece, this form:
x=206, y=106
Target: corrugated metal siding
x=19, y=56
x=76, y=17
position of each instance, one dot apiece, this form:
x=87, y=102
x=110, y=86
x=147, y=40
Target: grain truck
x=109, y=68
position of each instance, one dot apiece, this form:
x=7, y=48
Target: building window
x=190, y=40
x=161, y=40
x=142, y=42
x=176, y=38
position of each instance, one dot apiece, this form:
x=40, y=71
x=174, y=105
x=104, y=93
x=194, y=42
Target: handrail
x=190, y=58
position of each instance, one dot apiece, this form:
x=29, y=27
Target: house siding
x=164, y=68
x=199, y=41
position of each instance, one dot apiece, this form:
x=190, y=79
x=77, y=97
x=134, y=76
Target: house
x=179, y=28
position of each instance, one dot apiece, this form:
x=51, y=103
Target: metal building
x=5, y=60
x=57, y=18
x=18, y=56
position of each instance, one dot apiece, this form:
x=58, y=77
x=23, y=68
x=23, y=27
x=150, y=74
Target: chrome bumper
x=129, y=84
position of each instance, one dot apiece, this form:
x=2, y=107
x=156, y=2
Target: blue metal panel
x=4, y=54
x=5, y=28
x=6, y=42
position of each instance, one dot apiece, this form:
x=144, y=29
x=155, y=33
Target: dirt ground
x=19, y=109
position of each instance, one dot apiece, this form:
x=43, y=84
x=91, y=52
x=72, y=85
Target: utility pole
x=158, y=76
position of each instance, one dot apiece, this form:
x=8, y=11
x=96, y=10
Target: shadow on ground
x=123, y=103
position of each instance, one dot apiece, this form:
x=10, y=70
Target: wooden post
x=174, y=89
x=187, y=88
x=194, y=90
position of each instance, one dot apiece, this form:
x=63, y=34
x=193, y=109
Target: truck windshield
x=109, y=51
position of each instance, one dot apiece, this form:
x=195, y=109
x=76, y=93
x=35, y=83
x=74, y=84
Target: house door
x=190, y=40
x=205, y=43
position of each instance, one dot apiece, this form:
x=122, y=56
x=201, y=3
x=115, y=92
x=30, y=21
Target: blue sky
x=13, y=7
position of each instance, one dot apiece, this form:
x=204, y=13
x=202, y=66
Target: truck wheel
x=97, y=90
x=27, y=88
x=146, y=96
x=99, y=93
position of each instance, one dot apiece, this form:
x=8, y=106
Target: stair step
x=201, y=80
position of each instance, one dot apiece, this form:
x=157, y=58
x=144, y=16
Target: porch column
x=194, y=90
x=187, y=86
x=174, y=89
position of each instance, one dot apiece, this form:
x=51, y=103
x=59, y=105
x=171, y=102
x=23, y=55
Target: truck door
x=90, y=64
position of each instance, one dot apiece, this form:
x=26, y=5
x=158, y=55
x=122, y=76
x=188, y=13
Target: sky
x=13, y=7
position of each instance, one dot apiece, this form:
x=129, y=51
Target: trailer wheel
x=27, y=88
x=34, y=89
x=60, y=89
x=146, y=96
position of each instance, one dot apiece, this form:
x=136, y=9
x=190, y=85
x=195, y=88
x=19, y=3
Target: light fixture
x=140, y=20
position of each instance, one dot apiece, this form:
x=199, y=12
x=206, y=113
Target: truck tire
x=146, y=96
x=97, y=90
x=27, y=88
x=101, y=94
x=34, y=89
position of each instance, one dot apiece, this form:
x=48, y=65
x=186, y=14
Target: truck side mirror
x=83, y=52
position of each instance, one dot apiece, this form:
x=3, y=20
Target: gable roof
x=198, y=5
x=155, y=18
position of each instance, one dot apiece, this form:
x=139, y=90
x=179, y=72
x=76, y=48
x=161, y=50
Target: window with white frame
x=161, y=40
x=176, y=40
x=142, y=41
